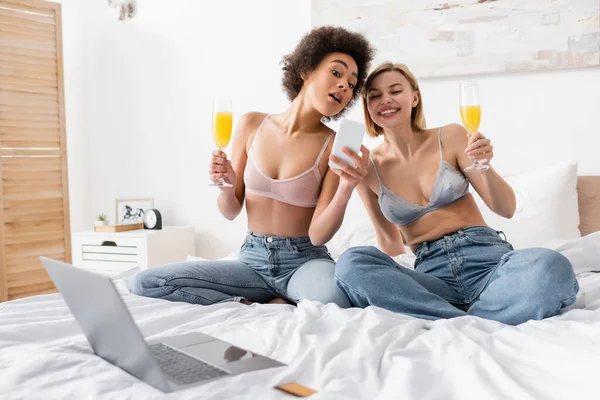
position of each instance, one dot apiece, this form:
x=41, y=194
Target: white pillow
x=584, y=253
x=547, y=208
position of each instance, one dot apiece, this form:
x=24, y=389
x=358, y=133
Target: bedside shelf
x=112, y=253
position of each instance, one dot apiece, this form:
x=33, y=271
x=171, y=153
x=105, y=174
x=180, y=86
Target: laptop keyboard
x=182, y=368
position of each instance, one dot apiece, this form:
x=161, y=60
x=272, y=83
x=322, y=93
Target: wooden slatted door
x=34, y=201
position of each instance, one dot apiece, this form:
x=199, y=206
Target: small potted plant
x=101, y=220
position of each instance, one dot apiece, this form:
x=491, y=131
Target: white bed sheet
x=344, y=354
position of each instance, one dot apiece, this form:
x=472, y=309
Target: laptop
x=169, y=364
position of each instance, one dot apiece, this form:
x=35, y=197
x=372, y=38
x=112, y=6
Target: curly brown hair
x=314, y=47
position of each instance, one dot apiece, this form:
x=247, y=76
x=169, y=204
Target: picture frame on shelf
x=131, y=211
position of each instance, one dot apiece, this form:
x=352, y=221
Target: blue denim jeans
x=267, y=267
x=470, y=272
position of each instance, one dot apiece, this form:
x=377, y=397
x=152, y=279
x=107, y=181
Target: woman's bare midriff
x=434, y=225
x=267, y=216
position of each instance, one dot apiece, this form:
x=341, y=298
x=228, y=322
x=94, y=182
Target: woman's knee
x=314, y=281
x=551, y=277
x=351, y=260
x=146, y=282
x=143, y=282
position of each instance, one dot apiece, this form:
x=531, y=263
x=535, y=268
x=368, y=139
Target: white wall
x=148, y=85
x=139, y=97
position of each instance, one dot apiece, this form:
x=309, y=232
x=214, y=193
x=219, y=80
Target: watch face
x=150, y=219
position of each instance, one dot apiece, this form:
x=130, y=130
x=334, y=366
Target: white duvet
x=343, y=354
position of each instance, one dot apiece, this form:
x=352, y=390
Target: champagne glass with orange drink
x=222, y=121
x=470, y=112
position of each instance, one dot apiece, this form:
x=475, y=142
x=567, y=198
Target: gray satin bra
x=450, y=186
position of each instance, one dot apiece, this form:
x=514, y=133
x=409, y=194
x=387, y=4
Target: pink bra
x=301, y=190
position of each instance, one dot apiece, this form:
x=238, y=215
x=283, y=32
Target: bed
x=343, y=354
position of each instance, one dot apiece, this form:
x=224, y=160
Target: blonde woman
x=415, y=189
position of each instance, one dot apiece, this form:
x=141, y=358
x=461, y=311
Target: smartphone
x=350, y=134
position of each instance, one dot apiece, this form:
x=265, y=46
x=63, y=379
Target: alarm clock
x=152, y=219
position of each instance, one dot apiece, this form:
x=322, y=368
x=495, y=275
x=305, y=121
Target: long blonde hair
x=417, y=117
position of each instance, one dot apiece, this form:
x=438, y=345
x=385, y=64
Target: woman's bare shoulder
x=452, y=130
x=250, y=120
x=454, y=136
x=377, y=152
x=247, y=126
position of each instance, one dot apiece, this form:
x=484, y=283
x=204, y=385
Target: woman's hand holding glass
x=221, y=170
x=480, y=149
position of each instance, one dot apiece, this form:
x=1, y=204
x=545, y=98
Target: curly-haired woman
x=278, y=168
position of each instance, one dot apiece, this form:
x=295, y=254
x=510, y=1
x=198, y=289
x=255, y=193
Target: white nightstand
x=113, y=253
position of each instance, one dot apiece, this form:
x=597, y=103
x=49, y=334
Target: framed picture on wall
x=131, y=211
x=471, y=37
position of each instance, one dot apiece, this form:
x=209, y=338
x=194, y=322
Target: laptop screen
x=105, y=321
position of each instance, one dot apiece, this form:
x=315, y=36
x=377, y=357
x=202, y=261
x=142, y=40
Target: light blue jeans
x=470, y=272
x=267, y=267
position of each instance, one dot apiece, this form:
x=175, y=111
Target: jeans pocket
x=487, y=240
x=315, y=253
x=246, y=245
